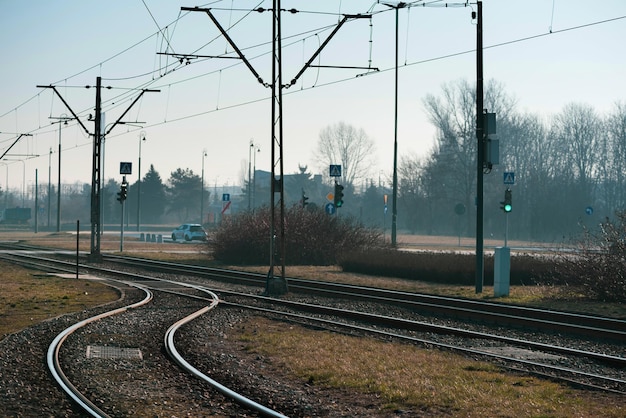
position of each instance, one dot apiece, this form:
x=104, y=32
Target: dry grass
x=28, y=297
x=197, y=253
x=432, y=382
x=406, y=377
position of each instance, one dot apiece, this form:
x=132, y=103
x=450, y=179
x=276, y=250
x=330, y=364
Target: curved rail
x=54, y=348
x=388, y=321
x=171, y=350
x=546, y=319
x=90, y=407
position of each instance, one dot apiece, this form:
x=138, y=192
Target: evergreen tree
x=153, y=197
x=184, y=191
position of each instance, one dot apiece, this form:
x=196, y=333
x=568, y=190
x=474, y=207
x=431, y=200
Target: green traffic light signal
x=338, y=198
x=507, y=205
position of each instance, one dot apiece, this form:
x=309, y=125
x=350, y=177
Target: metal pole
x=202, y=191
x=49, y=184
x=102, y=182
x=95, y=178
x=250, y=174
x=122, y=221
x=59, y=182
x=506, y=229
x=23, y=183
x=254, y=178
x=142, y=137
x=480, y=134
x=394, y=211
x=77, y=244
x=36, y=200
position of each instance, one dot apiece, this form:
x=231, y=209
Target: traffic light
x=304, y=199
x=338, y=199
x=507, y=204
x=119, y=197
x=123, y=192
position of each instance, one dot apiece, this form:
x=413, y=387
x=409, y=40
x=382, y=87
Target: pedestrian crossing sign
x=126, y=168
x=335, y=170
x=509, y=177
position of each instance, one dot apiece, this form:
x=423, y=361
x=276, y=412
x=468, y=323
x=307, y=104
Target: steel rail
x=465, y=350
x=610, y=359
x=175, y=355
x=390, y=321
x=55, y=366
x=84, y=402
x=600, y=327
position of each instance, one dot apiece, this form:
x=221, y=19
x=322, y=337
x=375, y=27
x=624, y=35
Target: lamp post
x=61, y=120
x=23, y=177
x=250, y=174
x=6, y=186
x=49, y=183
x=23, y=181
x=394, y=209
x=254, y=178
x=142, y=137
x=202, y=191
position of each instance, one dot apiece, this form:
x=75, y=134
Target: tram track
x=502, y=314
x=293, y=310
x=149, y=285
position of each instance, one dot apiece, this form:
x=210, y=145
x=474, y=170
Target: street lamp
x=6, y=186
x=49, y=183
x=202, y=191
x=250, y=174
x=61, y=120
x=142, y=137
x=102, y=160
x=23, y=177
x=394, y=209
x=254, y=178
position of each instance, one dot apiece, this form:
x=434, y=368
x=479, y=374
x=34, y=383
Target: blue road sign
x=509, y=177
x=225, y=197
x=335, y=170
x=330, y=208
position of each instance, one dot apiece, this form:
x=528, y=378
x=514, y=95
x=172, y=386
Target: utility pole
x=98, y=134
x=276, y=281
x=96, y=161
x=480, y=137
x=142, y=137
x=394, y=199
x=61, y=120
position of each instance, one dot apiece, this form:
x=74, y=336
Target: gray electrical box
x=493, y=151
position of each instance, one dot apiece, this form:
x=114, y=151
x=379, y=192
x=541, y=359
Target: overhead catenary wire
x=434, y=3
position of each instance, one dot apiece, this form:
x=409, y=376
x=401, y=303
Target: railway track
x=149, y=285
x=501, y=348
x=506, y=315
x=502, y=314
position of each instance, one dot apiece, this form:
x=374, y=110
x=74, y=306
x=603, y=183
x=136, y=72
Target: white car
x=189, y=232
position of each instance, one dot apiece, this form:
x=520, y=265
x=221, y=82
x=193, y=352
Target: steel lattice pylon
x=276, y=282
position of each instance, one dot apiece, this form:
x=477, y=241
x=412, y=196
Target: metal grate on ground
x=108, y=352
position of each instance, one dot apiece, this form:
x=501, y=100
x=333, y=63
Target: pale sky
x=217, y=105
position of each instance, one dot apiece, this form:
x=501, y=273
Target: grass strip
x=406, y=377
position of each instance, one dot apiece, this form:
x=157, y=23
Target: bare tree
x=346, y=145
x=577, y=128
x=614, y=157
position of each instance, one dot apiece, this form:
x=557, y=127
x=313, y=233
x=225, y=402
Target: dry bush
x=597, y=266
x=312, y=237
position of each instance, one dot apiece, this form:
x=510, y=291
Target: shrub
x=440, y=267
x=597, y=266
x=311, y=237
